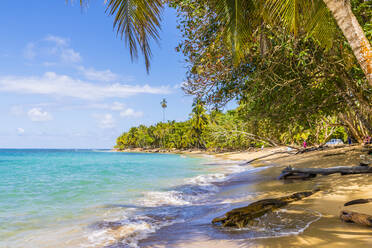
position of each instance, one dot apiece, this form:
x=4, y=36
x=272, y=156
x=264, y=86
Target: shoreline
x=328, y=230
x=239, y=156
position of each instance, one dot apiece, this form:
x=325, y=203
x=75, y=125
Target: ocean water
x=90, y=198
x=73, y=198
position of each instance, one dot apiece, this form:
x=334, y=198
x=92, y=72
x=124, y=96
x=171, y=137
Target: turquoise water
x=48, y=198
x=102, y=199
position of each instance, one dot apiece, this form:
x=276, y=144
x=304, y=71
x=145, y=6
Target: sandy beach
x=327, y=230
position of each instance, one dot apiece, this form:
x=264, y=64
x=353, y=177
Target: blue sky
x=67, y=81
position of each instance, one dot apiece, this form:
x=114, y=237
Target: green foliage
x=198, y=121
x=285, y=83
x=289, y=87
x=363, y=11
x=219, y=131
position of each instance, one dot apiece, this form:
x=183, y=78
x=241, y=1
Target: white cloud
x=57, y=40
x=20, y=130
x=37, y=114
x=103, y=76
x=68, y=55
x=105, y=121
x=54, y=49
x=131, y=113
x=63, y=50
x=29, y=51
x=64, y=86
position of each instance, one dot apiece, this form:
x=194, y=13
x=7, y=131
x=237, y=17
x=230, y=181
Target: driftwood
x=241, y=217
x=358, y=218
x=293, y=173
x=358, y=201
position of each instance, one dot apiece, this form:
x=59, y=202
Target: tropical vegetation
x=289, y=87
x=218, y=131
x=298, y=69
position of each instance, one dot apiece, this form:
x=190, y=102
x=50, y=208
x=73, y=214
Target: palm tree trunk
x=353, y=32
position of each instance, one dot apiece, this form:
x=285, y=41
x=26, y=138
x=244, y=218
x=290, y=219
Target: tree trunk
x=353, y=32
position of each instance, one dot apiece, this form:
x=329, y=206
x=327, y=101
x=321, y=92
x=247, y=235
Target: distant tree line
x=217, y=131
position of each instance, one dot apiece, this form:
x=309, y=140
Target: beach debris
x=365, y=160
x=304, y=173
x=358, y=201
x=354, y=217
x=241, y=217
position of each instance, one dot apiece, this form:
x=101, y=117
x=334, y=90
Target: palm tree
x=199, y=121
x=138, y=21
x=164, y=105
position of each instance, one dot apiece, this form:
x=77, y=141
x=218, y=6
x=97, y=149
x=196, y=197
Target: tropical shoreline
x=328, y=230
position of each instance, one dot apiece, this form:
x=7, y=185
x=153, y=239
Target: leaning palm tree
x=138, y=21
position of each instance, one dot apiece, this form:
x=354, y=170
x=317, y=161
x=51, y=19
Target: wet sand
x=327, y=230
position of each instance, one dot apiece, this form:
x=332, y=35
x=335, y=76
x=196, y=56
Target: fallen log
x=358, y=218
x=358, y=201
x=293, y=173
x=241, y=217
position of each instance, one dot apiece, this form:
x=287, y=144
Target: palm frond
x=237, y=19
x=287, y=12
x=321, y=25
x=138, y=22
x=295, y=15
